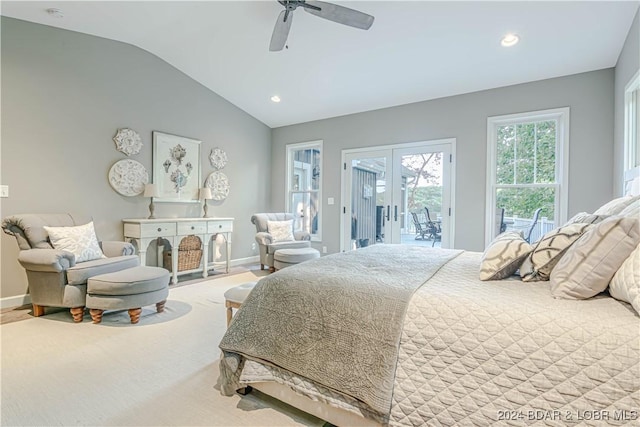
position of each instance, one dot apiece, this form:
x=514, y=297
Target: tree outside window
x=526, y=168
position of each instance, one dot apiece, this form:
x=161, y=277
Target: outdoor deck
x=410, y=239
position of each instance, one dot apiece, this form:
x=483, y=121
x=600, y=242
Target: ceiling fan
x=330, y=11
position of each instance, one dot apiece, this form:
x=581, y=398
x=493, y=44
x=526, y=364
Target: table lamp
x=151, y=191
x=205, y=194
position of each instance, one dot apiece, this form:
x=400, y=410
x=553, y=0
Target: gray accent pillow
x=589, y=265
x=625, y=284
x=548, y=251
x=503, y=256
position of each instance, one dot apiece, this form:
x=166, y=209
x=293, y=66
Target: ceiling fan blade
x=281, y=31
x=339, y=14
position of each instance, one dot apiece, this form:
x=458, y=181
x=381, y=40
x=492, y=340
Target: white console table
x=144, y=231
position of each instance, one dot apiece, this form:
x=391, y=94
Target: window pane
x=306, y=170
x=505, y=154
x=523, y=202
x=525, y=149
x=305, y=206
x=546, y=152
x=305, y=185
x=520, y=205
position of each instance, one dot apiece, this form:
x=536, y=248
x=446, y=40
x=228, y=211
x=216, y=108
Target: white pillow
x=625, y=284
x=80, y=240
x=585, y=218
x=281, y=231
x=590, y=263
x=632, y=210
x=616, y=206
x=503, y=256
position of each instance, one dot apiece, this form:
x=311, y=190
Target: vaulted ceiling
x=415, y=50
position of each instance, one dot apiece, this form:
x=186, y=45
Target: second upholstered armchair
x=277, y=231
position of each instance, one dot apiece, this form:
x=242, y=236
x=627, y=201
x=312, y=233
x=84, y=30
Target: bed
x=406, y=336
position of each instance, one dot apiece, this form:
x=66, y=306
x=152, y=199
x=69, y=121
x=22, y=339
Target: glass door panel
x=422, y=195
x=368, y=199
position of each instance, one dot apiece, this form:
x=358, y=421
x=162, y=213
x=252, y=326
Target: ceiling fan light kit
x=332, y=12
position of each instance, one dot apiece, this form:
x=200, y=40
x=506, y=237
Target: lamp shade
x=150, y=190
x=205, y=193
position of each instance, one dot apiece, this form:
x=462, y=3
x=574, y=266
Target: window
x=527, y=171
x=632, y=132
x=304, y=185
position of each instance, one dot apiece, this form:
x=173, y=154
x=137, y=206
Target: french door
x=389, y=191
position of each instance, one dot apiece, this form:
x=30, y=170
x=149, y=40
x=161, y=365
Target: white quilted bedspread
x=503, y=353
x=506, y=352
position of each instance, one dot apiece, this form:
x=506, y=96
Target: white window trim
x=562, y=160
x=290, y=148
x=631, y=171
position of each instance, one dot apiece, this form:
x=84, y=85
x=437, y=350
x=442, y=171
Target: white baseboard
x=248, y=260
x=18, y=300
x=15, y=301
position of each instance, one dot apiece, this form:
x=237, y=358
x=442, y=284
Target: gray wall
x=65, y=94
x=464, y=117
x=628, y=64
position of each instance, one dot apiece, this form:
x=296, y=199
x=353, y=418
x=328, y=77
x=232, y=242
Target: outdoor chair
x=421, y=230
x=434, y=229
x=501, y=226
x=527, y=229
x=534, y=221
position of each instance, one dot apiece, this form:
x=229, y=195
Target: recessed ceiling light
x=56, y=13
x=275, y=98
x=510, y=40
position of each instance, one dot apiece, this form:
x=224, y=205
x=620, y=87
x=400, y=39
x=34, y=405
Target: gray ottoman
x=129, y=289
x=286, y=257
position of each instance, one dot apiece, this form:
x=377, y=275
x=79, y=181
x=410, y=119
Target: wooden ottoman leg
x=160, y=306
x=229, y=312
x=96, y=314
x=134, y=314
x=38, y=310
x=261, y=266
x=77, y=313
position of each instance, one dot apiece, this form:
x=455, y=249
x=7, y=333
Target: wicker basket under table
x=189, y=254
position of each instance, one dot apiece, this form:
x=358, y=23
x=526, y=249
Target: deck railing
x=542, y=227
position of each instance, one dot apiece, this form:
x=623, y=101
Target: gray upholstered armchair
x=55, y=279
x=266, y=243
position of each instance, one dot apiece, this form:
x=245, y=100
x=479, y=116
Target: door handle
x=395, y=212
x=388, y=212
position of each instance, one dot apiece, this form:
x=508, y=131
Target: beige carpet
x=162, y=371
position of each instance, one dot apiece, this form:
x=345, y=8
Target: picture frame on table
x=176, y=168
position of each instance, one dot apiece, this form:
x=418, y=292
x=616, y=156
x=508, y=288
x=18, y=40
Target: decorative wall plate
x=218, y=158
x=128, y=177
x=219, y=185
x=128, y=141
